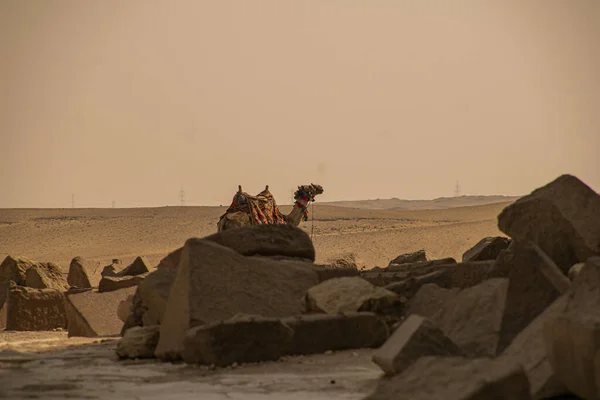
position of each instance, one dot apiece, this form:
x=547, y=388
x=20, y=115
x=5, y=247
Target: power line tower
x=73, y=200
x=182, y=196
x=457, y=190
x=113, y=204
x=292, y=196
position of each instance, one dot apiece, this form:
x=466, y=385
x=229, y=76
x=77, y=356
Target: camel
x=248, y=210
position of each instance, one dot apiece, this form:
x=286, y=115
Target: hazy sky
x=129, y=100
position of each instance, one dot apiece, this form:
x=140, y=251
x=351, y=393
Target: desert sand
x=377, y=236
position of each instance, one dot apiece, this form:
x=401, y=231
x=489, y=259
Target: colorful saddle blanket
x=262, y=208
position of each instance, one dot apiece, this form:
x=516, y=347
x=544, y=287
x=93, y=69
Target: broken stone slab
x=346, y=261
x=214, y=283
x=414, y=338
x=410, y=258
x=124, y=308
x=84, y=273
x=92, y=314
x=472, y=318
x=318, y=333
x=15, y=269
x=150, y=299
x=421, y=267
x=324, y=273
x=31, y=309
x=171, y=261
x=572, y=343
x=45, y=276
x=348, y=294
x=109, y=270
x=488, y=248
x=429, y=300
x=110, y=283
x=237, y=340
x=138, y=342
x=529, y=291
x=529, y=347
x=455, y=378
x=267, y=240
x=137, y=267
x=562, y=218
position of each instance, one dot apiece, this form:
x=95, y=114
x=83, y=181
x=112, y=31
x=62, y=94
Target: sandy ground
x=49, y=365
x=377, y=236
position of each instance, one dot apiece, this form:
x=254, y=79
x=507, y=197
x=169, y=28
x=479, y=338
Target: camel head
x=308, y=192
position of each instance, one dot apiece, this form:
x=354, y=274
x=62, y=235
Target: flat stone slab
x=31, y=309
x=414, y=338
x=94, y=314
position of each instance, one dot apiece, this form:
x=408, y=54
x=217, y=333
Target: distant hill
x=436, y=204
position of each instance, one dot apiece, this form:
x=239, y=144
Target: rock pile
x=36, y=296
x=511, y=324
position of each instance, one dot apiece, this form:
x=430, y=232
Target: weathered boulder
x=455, y=378
x=267, y=240
x=529, y=347
x=348, y=294
x=473, y=317
x=572, y=348
x=150, y=299
x=420, y=266
x=109, y=270
x=410, y=258
x=124, y=308
x=137, y=267
x=14, y=269
x=92, y=314
x=214, y=283
x=171, y=261
x=110, y=283
x=414, y=338
x=529, y=291
x=138, y=342
x=488, y=248
x=318, y=333
x=31, y=309
x=562, y=218
x=574, y=271
x=237, y=340
x=346, y=261
x=45, y=276
x=429, y=300
x=84, y=273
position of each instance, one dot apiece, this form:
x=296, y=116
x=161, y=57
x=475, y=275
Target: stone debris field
x=249, y=313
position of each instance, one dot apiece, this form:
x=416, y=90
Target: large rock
x=529, y=291
x=35, y=309
x=84, y=273
x=529, y=347
x=410, y=258
x=318, y=333
x=420, y=266
x=325, y=273
x=94, y=314
x=45, y=276
x=455, y=378
x=138, y=342
x=267, y=240
x=348, y=294
x=110, y=283
x=414, y=338
x=488, y=248
x=171, y=261
x=429, y=300
x=473, y=317
x=150, y=299
x=237, y=340
x=14, y=269
x=346, y=261
x=124, y=309
x=572, y=347
x=562, y=218
x=137, y=267
x=215, y=283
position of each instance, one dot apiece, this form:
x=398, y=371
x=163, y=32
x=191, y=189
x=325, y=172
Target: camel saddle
x=261, y=208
